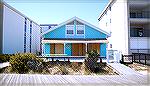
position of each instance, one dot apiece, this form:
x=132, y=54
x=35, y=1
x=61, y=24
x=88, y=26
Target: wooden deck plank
x=37, y=79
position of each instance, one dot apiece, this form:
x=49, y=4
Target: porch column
x=64, y=47
x=86, y=47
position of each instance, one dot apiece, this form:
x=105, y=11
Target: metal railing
x=140, y=51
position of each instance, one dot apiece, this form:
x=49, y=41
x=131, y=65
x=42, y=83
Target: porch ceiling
x=74, y=41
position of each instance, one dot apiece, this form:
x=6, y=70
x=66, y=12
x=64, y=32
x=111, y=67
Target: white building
x=18, y=33
x=128, y=21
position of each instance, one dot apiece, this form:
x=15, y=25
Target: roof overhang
x=74, y=41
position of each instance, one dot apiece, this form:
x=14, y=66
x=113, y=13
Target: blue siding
x=47, y=48
x=57, y=33
x=93, y=33
x=103, y=49
x=68, y=49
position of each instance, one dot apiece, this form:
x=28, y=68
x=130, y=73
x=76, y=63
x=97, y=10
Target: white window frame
x=70, y=29
x=80, y=29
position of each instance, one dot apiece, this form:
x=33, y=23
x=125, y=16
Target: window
x=30, y=35
x=136, y=32
x=110, y=8
x=80, y=29
x=69, y=29
x=25, y=30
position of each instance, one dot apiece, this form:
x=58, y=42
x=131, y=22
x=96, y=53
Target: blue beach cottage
x=74, y=37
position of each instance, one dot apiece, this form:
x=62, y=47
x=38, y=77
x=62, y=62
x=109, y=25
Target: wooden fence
x=136, y=57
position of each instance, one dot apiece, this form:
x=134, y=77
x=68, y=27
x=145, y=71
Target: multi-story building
x=128, y=21
x=18, y=33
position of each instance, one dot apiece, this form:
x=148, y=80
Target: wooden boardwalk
x=124, y=70
x=67, y=80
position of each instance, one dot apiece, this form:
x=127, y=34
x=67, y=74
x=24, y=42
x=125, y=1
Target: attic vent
x=71, y=23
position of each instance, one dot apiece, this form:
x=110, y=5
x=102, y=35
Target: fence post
x=68, y=59
x=132, y=58
x=122, y=59
x=145, y=59
x=52, y=59
x=139, y=58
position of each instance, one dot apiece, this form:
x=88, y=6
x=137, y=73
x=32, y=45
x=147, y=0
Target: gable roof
x=80, y=20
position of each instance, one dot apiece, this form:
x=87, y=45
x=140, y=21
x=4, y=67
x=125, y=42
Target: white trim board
x=74, y=41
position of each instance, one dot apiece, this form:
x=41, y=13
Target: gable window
x=80, y=29
x=69, y=29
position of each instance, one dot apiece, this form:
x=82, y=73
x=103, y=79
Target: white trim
x=74, y=41
x=106, y=9
x=82, y=21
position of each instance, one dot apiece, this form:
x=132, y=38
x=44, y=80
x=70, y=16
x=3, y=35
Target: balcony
x=139, y=32
x=142, y=17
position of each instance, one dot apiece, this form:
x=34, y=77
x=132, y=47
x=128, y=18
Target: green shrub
x=63, y=69
x=75, y=66
x=21, y=63
x=4, y=58
x=91, y=60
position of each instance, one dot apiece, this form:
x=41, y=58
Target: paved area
x=67, y=80
x=5, y=64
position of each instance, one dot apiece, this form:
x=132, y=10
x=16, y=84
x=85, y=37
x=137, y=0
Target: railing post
x=132, y=58
x=145, y=59
x=68, y=59
x=122, y=58
x=139, y=58
x=52, y=59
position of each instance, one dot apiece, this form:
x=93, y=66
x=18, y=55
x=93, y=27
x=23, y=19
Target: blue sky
x=57, y=11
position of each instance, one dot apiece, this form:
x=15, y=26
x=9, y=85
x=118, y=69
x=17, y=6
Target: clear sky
x=58, y=11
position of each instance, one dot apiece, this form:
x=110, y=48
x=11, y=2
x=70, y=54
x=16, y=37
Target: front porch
x=73, y=47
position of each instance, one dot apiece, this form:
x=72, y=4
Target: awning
x=74, y=41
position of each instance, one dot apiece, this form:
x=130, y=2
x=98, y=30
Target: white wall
x=13, y=32
x=35, y=38
x=118, y=26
